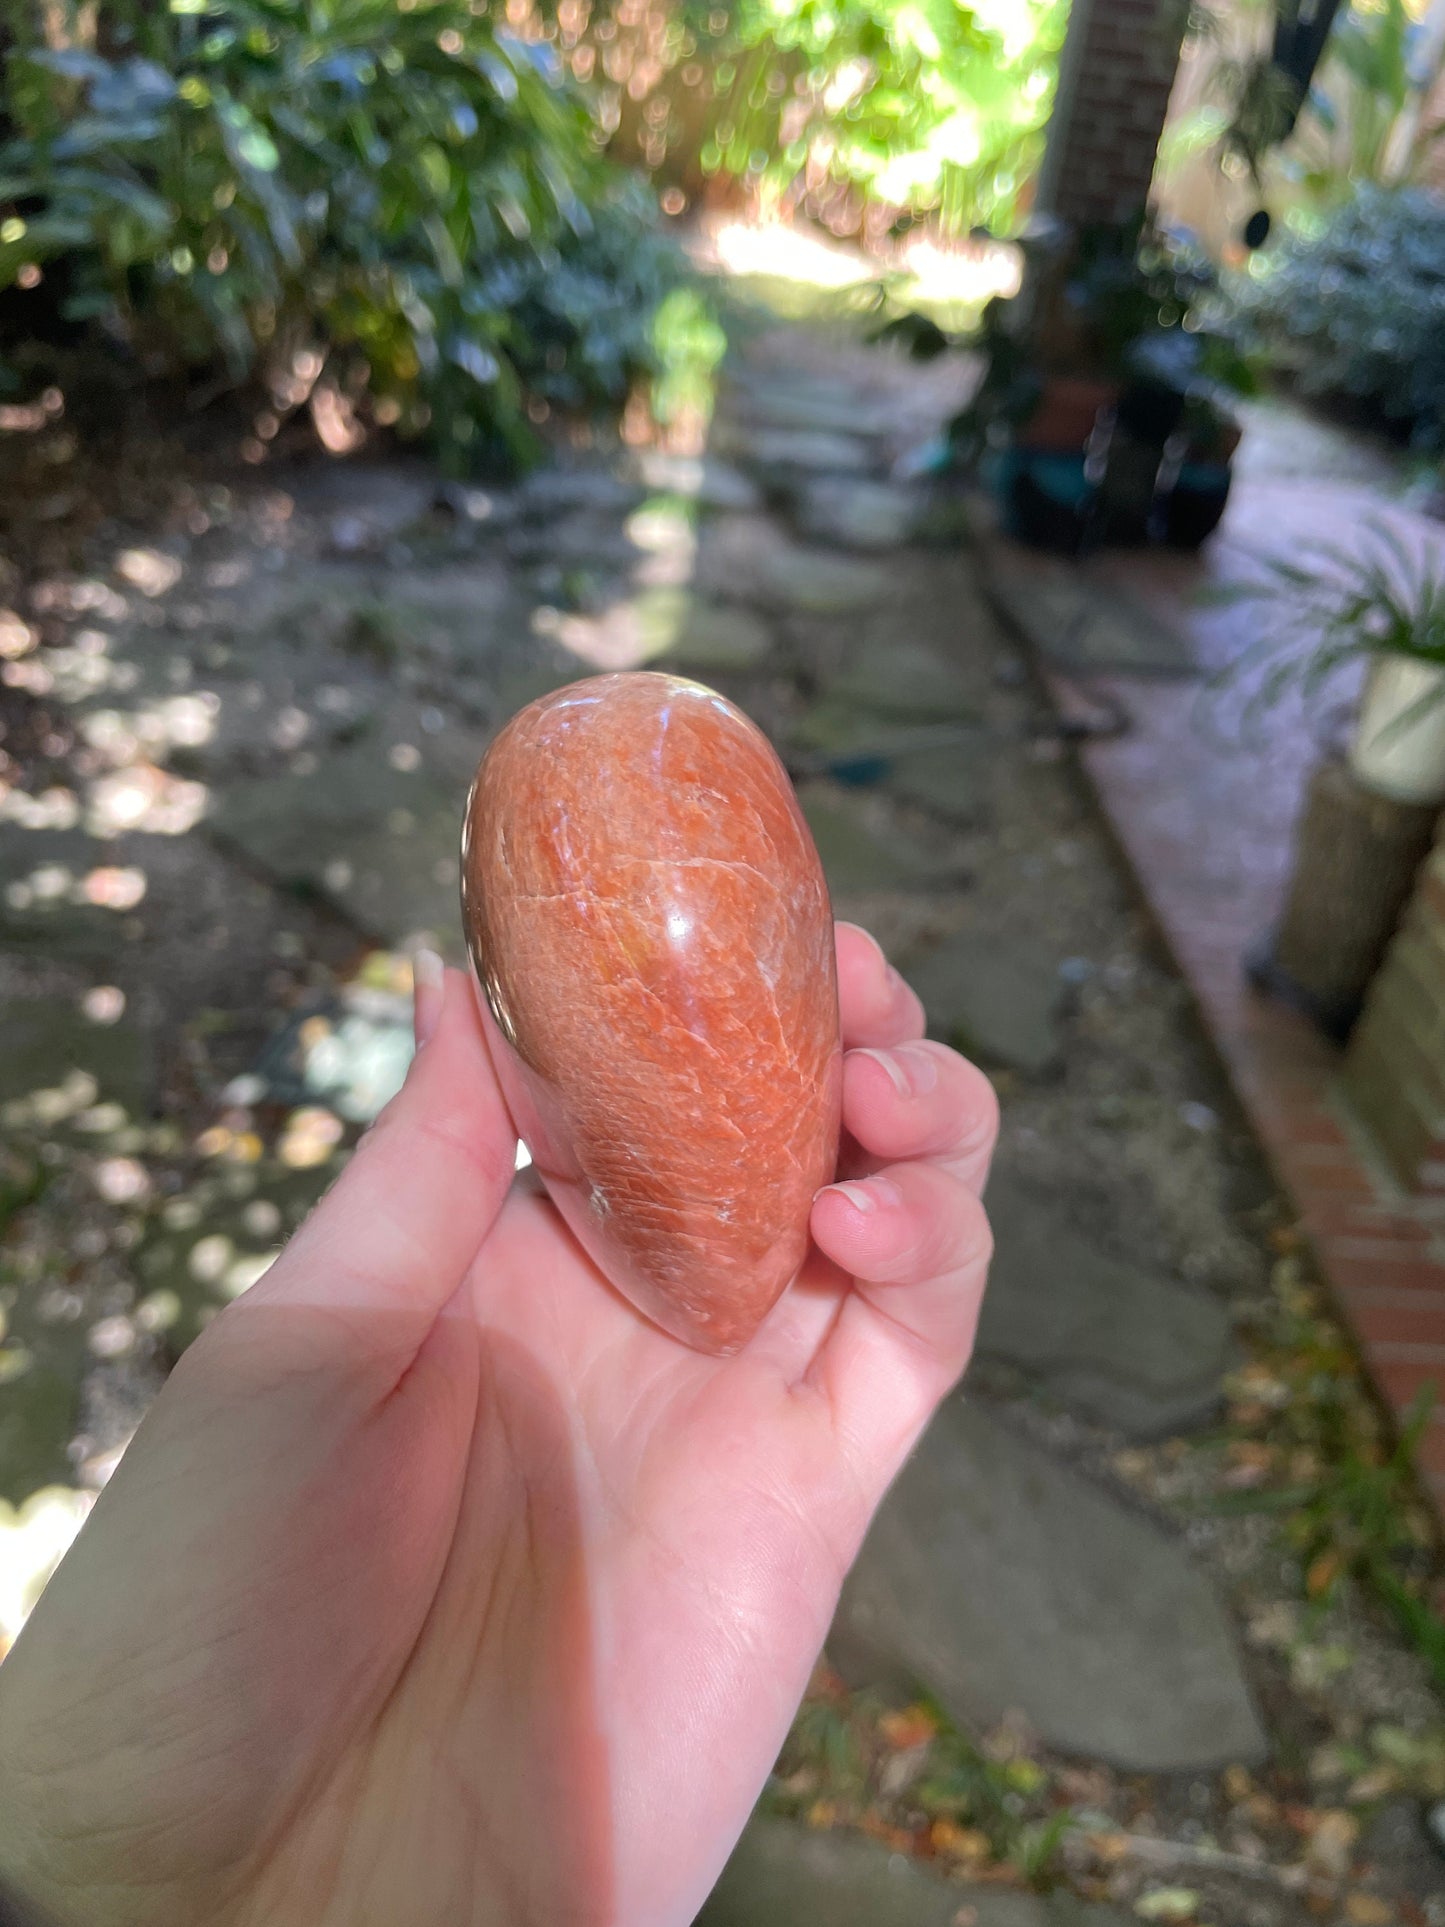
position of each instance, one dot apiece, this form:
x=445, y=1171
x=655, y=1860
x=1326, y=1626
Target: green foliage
x=1355, y=308
x=1364, y=120
x=408, y=187
x=927, y=106
x=1356, y=1513
x=1141, y=294
x=1321, y=612
x=688, y=344
x=1127, y=307
x=987, y=1801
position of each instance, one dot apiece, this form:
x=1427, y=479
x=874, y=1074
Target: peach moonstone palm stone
x=649, y=921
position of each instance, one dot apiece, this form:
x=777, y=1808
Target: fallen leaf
x=1274, y=1625
x=900, y=1770
x=914, y=1726
x=964, y=1843
x=1331, y=1843
x=1025, y=1776
x=1013, y=1738
x=1257, y=1380
x=1368, y=1910
x=1089, y=1786
x=826, y=1684
x=1244, y=1478
x=822, y=1814
x=878, y=1827
x=1323, y=1571
x=1168, y=1903
x=1237, y=1783
x=1331, y=1764
x=1374, y=1785
x=1108, y=1847
x=1262, y=1808
x=1248, y=1412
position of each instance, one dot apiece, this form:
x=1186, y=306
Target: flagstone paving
x=284, y=715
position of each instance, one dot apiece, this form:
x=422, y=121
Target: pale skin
x=438, y=1586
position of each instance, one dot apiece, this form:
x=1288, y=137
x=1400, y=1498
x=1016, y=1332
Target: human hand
x=440, y=1587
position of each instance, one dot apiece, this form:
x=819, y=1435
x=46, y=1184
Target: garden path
x=237, y=817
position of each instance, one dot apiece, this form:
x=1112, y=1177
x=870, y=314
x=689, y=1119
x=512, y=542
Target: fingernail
x=884, y=1059
x=428, y=992
x=911, y=1070
x=869, y=1194
x=920, y=1067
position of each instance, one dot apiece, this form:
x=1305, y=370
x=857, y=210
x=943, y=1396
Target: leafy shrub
x=930, y=107
x=1365, y=116
x=1356, y=309
x=406, y=187
x=927, y=106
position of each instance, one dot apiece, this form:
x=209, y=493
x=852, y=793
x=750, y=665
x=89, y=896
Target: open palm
x=438, y=1586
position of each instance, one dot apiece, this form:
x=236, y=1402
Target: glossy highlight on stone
x=648, y=918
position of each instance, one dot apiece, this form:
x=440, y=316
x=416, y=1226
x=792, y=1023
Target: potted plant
x=1398, y=749
x=1370, y=811
x=1324, y=613
x=1103, y=393
x=1195, y=477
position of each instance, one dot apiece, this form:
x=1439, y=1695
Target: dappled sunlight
x=960, y=277
x=34, y=1538
x=149, y=570
x=235, y=763
x=619, y=637
x=779, y=250
x=49, y=886
x=401, y=408
x=142, y=797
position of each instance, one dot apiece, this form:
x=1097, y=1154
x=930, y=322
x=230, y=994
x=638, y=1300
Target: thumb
x=389, y=1244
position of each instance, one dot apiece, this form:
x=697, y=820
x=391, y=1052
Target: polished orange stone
x=649, y=921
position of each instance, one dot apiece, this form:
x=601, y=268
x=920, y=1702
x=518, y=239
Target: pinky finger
x=916, y=1242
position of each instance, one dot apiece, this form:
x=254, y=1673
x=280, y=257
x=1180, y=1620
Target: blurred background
x=1036, y=421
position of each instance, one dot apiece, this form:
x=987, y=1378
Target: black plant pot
x=1192, y=510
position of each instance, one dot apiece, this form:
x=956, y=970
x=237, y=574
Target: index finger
x=876, y=1006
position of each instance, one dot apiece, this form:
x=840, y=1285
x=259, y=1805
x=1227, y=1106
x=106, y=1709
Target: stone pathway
x=843, y=1881
x=1007, y=1582
x=270, y=713
x=1125, y=1347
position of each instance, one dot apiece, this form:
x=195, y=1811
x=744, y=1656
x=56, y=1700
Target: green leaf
x=1168, y=1903
x=250, y=142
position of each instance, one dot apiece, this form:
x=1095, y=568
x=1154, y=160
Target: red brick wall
x=1395, y=1066
x=1113, y=96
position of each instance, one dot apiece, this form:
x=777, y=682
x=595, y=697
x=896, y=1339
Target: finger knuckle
x=983, y=1109
x=970, y=1235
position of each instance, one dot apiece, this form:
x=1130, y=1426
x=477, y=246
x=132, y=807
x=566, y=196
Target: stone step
x=1002, y=1580
x=783, y=1875
x=1128, y=1348
x=997, y=997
